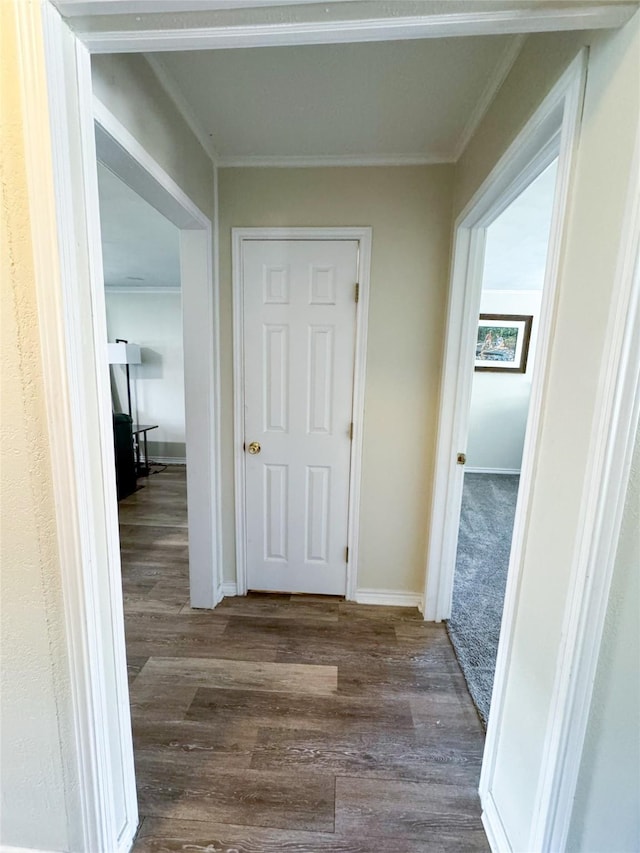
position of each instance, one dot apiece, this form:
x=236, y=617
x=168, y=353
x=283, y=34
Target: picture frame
x=502, y=343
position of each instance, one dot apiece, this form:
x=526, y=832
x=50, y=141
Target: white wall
x=500, y=401
x=513, y=277
x=588, y=266
x=154, y=321
x=606, y=812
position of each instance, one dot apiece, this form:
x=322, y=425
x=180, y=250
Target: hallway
x=288, y=723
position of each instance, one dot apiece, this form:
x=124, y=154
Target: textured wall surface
x=409, y=210
x=35, y=783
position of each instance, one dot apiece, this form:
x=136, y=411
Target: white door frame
x=239, y=237
x=551, y=132
x=57, y=98
x=125, y=157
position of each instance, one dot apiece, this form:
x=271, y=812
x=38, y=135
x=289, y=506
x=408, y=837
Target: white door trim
x=552, y=132
x=61, y=170
x=125, y=157
x=239, y=236
x=613, y=434
x=100, y=39
x=64, y=214
x=547, y=135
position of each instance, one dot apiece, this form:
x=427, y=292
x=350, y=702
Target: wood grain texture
x=159, y=835
x=402, y=809
x=173, y=787
x=264, y=676
x=283, y=723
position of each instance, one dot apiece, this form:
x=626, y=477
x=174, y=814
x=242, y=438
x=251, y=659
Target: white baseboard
x=469, y=470
x=165, y=460
x=7, y=849
x=494, y=828
x=229, y=589
x=389, y=597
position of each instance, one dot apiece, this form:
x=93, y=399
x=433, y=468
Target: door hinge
x=461, y=459
x=357, y=292
x=351, y=431
x=346, y=554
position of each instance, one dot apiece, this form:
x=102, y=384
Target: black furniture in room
x=125, y=461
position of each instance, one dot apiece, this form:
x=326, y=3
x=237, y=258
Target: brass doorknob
x=254, y=448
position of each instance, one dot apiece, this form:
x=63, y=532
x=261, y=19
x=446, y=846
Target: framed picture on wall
x=502, y=344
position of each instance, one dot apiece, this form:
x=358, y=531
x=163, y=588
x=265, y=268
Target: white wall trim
x=476, y=23
x=74, y=8
x=469, y=470
x=57, y=145
x=613, y=434
x=494, y=828
x=229, y=589
x=120, y=151
x=335, y=160
x=552, y=131
x=123, y=155
x=167, y=460
x=487, y=96
x=568, y=94
x=388, y=598
x=175, y=93
x=6, y=849
x=239, y=236
x=533, y=149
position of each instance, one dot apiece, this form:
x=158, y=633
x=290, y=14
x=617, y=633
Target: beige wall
x=606, y=813
x=127, y=86
x=588, y=268
x=36, y=785
x=409, y=210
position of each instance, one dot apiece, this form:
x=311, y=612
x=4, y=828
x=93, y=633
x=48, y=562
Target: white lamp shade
x=124, y=354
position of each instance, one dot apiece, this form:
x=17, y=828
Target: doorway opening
x=143, y=300
x=172, y=385
x=513, y=279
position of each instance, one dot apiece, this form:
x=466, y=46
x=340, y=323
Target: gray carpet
x=484, y=543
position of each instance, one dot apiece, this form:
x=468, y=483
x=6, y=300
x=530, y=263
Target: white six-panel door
x=299, y=347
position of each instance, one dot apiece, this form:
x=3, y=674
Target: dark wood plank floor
x=288, y=723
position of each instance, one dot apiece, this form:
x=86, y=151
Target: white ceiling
x=140, y=248
x=404, y=100
x=516, y=249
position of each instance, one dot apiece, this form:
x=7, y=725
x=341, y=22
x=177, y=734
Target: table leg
x=146, y=455
x=136, y=440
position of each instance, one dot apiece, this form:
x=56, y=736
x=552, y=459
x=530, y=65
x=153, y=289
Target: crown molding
x=337, y=160
x=497, y=78
x=173, y=90
x=76, y=8
x=579, y=16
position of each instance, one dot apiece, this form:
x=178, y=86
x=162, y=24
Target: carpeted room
x=513, y=280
